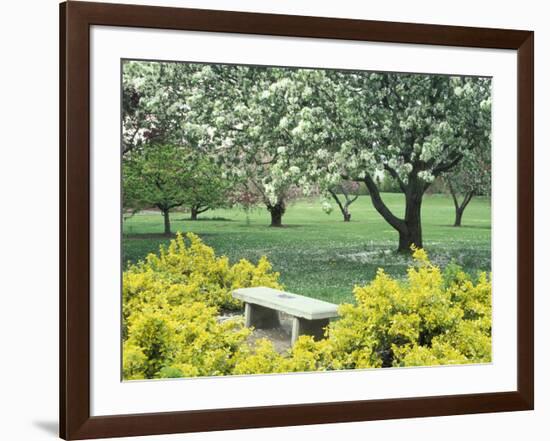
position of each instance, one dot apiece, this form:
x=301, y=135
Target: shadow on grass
x=467, y=227
x=474, y=227
x=268, y=227
x=205, y=219
x=144, y=236
x=148, y=236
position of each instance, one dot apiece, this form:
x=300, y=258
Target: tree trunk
x=344, y=208
x=277, y=212
x=166, y=215
x=460, y=207
x=458, y=217
x=198, y=209
x=409, y=228
x=412, y=233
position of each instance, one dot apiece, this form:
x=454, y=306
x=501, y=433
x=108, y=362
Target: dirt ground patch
x=280, y=336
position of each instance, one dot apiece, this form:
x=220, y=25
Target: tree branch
x=453, y=193
x=467, y=200
x=335, y=196
x=381, y=207
x=352, y=200
x=395, y=176
x=445, y=167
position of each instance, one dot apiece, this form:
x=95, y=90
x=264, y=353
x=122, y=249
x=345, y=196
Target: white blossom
x=326, y=206
x=227, y=143
x=426, y=176
x=284, y=122
x=294, y=170
x=322, y=153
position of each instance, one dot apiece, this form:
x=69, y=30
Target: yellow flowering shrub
x=262, y=358
x=181, y=341
x=430, y=318
x=183, y=273
x=192, y=272
x=172, y=302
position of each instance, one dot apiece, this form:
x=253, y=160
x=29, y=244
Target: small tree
x=470, y=178
x=349, y=191
x=158, y=176
x=206, y=188
x=245, y=196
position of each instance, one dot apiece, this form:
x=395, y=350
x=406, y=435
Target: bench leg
x=260, y=317
x=315, y=328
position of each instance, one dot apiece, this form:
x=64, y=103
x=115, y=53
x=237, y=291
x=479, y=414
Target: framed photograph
x=272, y=220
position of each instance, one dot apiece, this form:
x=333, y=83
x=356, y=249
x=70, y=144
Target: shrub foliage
x=171, y=304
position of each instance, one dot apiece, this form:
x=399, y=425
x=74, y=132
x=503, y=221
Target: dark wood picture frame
x=75, y=21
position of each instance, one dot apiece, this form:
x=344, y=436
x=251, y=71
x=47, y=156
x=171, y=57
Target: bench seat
x=262, y=305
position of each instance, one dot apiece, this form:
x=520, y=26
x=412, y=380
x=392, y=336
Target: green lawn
x=319, y=255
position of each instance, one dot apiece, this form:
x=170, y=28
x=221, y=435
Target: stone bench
x=262, y=305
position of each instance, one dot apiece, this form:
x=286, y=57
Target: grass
x=319, y=255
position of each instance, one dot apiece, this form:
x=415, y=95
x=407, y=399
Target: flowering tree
x=278, y=129
x=229, y=114
x=470, y=178
x=153, y=102
x=159, y=113
x=413, y=127
x=246, y=197
x=349, y=192
x=252, y=125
